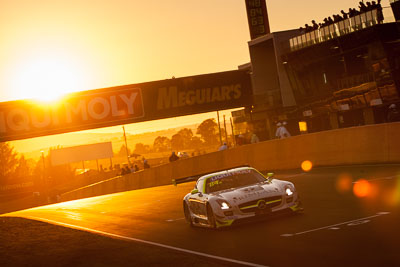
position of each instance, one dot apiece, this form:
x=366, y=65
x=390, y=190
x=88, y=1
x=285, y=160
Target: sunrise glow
x=48, y=75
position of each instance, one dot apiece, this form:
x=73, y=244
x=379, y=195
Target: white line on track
x=381, y=178
x=145, y=242
x=352, y=222
x=362, y=165
x=290, y=176
x=173, y=220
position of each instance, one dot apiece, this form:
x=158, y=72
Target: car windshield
x=233, y=180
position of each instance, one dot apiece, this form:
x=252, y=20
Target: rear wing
x=175, y=182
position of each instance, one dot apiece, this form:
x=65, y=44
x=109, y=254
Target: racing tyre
x=211, y=217
x=187, y=214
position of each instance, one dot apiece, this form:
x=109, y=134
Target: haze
x=49, y=48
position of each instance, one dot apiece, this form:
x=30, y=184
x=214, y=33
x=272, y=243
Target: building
x=342, y=75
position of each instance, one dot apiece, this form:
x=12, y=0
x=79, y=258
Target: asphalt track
x=336, y=229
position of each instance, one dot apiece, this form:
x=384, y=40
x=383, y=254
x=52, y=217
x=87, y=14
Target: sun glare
x=48, y=77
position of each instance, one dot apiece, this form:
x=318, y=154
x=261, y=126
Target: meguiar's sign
x=125, y=104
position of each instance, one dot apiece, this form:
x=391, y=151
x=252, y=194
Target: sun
x=48, y=76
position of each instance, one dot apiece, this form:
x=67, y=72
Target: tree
x=177, y=142
x=141, y=148
x=196, y=142
x=23, y=169
x=122, y=151
x=208, y=130
x=187, y=136
x=8, y=159
x=161, y=144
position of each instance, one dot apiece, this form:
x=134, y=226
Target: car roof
x=204, y=177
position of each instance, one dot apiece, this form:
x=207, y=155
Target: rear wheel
x=211, y=217
x=187, y=214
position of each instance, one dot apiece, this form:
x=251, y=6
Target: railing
x=355, y=80
x=356, y=23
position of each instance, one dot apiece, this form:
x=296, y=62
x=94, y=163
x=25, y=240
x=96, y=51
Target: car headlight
x=289, y=191
x=223, y=204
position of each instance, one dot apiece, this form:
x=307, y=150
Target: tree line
x=207, y=134
x=14, y=166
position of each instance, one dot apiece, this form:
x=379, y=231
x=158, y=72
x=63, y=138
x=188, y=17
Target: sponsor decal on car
x=227, y=174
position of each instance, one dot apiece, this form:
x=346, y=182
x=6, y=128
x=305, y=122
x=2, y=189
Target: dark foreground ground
x=31, y=243
x=337, y=228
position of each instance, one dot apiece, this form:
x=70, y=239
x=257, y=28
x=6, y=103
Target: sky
x=52, y=47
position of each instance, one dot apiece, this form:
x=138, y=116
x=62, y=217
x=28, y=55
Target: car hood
x=252, y=192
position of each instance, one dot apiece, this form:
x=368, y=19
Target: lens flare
x=306, y=165
x=362, y=188
x=392, y=197
x=344, y=183
x=396, y=195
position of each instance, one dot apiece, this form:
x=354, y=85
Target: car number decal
x=217, y=182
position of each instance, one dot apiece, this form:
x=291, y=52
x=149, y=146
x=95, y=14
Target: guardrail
x=350, y=146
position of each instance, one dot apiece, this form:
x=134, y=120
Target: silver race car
x=219, y=199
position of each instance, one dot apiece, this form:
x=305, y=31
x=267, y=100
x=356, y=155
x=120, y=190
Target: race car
x=219, y=199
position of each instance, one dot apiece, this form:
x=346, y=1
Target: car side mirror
x=270, y=175
x=194, y=191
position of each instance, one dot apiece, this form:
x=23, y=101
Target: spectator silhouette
x=145, y=164
x=369, y=6
x=393, y=113
x=345, y=15
x=223, y=147
x=173, y=157
x=240, y=140
x=254, y=139
x=278, y=130
x=362, y=7
x=282, y=132
x=315, y=25
x=380, y=11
